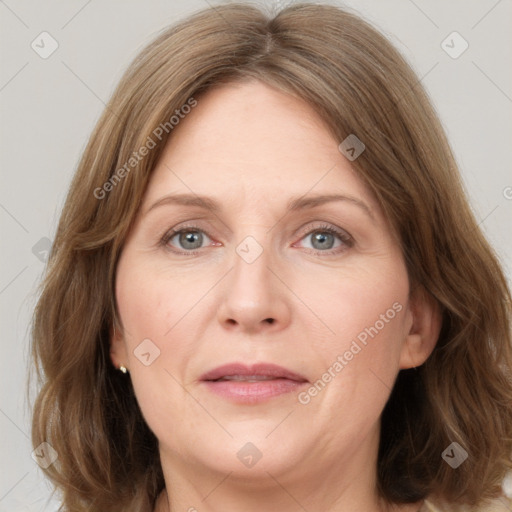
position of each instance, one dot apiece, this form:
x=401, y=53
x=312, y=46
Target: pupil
x=319, y=237
x=191, y=237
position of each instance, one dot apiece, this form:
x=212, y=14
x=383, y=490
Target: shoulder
x=503, y=504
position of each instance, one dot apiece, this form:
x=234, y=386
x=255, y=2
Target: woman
x=200, y=350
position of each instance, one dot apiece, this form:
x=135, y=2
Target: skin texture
x=252, y=149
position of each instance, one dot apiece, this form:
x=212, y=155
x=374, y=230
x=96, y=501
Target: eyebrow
x=295, y=204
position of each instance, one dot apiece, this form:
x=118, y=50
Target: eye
x=323, y=240
x=188, y=238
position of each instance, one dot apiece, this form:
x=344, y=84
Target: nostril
x=269, y=320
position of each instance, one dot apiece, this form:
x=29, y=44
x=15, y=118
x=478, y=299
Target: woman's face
x=263, y=271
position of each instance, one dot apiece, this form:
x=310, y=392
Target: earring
x=123, y=369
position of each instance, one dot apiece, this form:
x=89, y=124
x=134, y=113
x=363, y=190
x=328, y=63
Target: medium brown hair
x=358, y=84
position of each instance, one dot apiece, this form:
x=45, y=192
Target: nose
x=255, y=298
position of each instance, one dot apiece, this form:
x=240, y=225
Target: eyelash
x=324, y=228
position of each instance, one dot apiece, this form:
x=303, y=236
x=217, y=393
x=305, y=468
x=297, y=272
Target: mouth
x=256, y=373
x=245, y=378
x=250, y=384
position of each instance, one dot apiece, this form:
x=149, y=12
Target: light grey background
x=49, y=107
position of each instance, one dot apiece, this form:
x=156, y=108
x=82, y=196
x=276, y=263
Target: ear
x=425, y=324
x=118, y=352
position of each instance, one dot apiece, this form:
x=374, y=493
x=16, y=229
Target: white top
x=503, y=504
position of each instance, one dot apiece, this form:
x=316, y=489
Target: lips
x=254, y=384
x=260, y=372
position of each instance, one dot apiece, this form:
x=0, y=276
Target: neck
x=164, y=504
x=345, y=484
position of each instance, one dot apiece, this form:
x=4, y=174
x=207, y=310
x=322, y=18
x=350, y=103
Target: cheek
x=149, y=308
x=161, y=306
x=149, y=302
x=359, y=302
x=363, y=326
x=358, y=363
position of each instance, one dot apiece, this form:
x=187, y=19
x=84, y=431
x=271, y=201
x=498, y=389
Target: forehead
x=238, y=118
x=251, y=141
